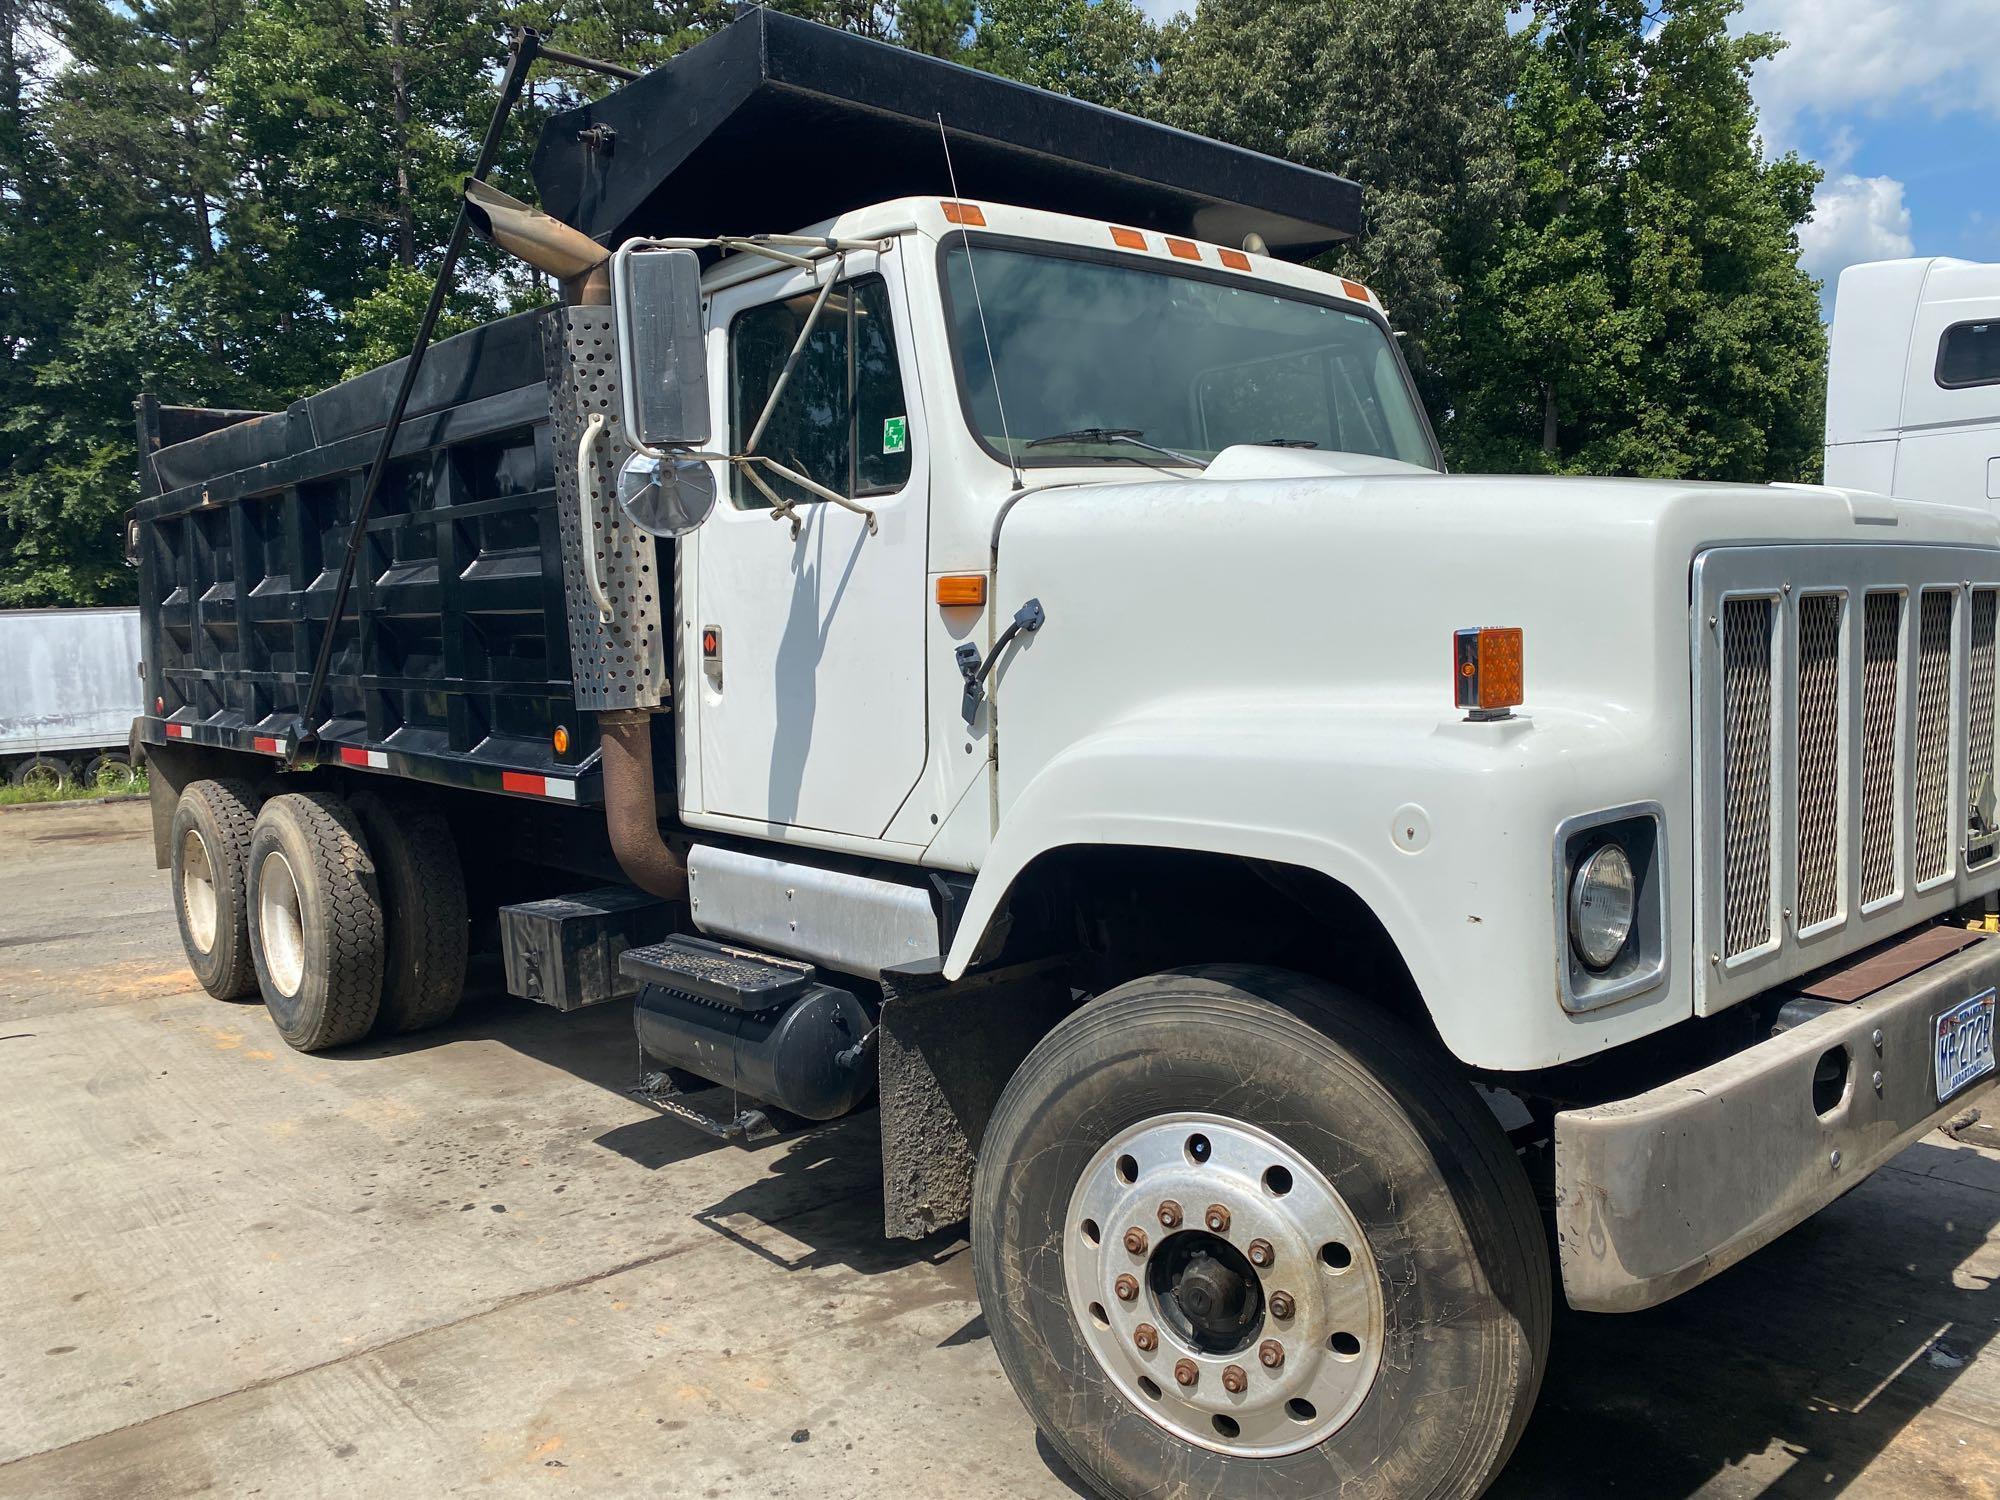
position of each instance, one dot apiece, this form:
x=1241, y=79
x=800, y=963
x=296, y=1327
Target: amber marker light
x=1487, y=676
x=958, y=590
x=560, y=739
x=964, y=213
x=1236, y=260
x=1128, y=239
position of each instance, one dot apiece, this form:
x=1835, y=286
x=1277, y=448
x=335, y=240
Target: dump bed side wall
x=452, y=659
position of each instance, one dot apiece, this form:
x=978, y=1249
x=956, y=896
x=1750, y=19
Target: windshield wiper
x=1114, y=435
x=1288, y=443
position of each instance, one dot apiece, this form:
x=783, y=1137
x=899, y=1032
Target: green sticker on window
x=895, y=434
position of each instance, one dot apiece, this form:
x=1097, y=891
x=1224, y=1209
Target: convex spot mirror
x=668, y=497
x=662, y=361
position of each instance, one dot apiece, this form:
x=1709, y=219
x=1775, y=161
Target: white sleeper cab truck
x=1913, y=381
x=1010, y=655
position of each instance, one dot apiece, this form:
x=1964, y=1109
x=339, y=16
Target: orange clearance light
x=1183, y=249
x=560, y=739
x=1486, y=672
x=958, y=589
x=1236, y=260
x=1355, y=290
x=1128, y=239
x=711, y=642
x=964, y=213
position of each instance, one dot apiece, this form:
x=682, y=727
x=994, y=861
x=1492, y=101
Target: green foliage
x=235, y=202
x=1104, y=51
x=38, y=792
x=1646, y=314
x=1407, y=97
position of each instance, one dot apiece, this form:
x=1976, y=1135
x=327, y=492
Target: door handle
x=1030, y=618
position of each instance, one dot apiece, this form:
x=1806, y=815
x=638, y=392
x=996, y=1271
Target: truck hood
x=1350, y=585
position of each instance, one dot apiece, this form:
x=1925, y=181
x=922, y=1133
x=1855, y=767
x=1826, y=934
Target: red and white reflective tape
x=373, y=760
x=265, y=745
x=178, y=731
x=538, y=786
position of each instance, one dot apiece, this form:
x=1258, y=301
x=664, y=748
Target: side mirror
x=666, y=497
x=662, y=357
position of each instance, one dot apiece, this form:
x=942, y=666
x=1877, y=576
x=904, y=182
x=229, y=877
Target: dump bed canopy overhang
x=776, y=122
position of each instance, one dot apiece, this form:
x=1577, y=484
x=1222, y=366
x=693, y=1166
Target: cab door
x=807, y=677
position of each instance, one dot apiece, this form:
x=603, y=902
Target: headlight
x=1603, y=897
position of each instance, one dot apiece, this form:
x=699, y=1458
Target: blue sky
x=1899, y=102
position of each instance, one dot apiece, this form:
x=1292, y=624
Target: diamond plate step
x=733, y=977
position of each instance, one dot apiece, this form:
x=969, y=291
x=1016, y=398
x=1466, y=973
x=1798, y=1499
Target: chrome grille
x=1933, y=770
x=1979, y=801
x=1818, y=761
x=1746, y=773
x=1847, y=701
x=1880, y=669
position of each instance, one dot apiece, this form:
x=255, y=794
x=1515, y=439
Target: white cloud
x=1854, y=219
x=1863, y=56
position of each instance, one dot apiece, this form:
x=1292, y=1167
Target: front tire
x=1374, y=1308
x=315, y=921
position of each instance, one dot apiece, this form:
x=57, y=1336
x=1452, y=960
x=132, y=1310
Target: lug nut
x=1147, y=1337
x=1127, y=1288
x=1170, y=1214
x=1217, y=1219
x=1260, y=1253
x=1235, y=1380
x=1270, y=1354
x=1281, y=1304
x=1135, y=1240
x=1185, y=1372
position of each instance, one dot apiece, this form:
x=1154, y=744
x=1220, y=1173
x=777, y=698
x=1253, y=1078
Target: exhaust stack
x=577, y=261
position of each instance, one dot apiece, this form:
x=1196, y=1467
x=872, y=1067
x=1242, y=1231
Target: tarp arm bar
x=527, y=47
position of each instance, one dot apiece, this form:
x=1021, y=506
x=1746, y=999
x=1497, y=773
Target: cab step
x=667, y=1091
x=735, y=978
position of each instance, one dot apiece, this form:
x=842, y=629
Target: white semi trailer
x=1018, y=655
x=69, y=690
x=1913, y=381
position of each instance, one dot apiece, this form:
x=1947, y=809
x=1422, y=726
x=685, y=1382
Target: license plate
x=1964, y=1044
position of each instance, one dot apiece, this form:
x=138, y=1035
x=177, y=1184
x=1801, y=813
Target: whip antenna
x=978, y=302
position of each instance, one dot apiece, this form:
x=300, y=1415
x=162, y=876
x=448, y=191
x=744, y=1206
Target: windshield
x=1093, y=354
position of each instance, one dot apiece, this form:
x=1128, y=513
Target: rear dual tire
x=209, y=842
x=316, y=925
x=349, y=915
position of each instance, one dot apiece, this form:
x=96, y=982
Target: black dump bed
x=776, y=123
x=452, y=658
x=452, y=663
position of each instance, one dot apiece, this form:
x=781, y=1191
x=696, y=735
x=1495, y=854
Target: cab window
x=841, y=421
x=1969, y=354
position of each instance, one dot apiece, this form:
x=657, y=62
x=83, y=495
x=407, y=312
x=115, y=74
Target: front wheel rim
x=280, y=925
x=1282, y=1269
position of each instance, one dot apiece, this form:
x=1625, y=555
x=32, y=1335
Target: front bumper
x=1656, y=1193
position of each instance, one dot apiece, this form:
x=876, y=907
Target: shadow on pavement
x=1787, y=1375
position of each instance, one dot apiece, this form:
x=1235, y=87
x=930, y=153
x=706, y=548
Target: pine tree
x=1648, y=314
x=1408, y=97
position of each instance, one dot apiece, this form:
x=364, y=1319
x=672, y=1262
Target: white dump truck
x=1009, y=651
